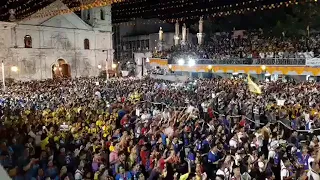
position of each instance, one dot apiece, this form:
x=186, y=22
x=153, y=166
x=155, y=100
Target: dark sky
x=174, y=9
x=130, y=9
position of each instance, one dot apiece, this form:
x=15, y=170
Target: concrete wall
x=138, y=59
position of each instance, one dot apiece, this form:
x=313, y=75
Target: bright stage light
x=14, y=69
x=192, y=62
x=181, y=62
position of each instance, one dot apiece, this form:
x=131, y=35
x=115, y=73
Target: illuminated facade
x=36, y=46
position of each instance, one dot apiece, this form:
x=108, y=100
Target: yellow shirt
x=99, y=123
x=111, y=148
x=44, y=143
x=184, y=177
x=96, y=175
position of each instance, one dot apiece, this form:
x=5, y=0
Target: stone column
x=187, y=35
x=176, y=34
x=200, y=35
x=160, y=42
x=184, y=34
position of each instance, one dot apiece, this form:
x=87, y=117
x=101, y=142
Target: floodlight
x=181, y=62
x=14, y=69
x=192, y=62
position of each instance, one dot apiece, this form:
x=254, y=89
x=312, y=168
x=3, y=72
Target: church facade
x=62, y=45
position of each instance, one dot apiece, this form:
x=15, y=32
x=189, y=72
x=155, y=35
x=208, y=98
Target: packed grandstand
x=226, y=48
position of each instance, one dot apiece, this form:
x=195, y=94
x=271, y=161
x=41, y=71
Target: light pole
x=107, y=64
x=3, y=78
x=114, y=67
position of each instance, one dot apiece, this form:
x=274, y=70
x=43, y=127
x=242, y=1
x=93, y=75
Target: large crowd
x=136, y=129
x=248, y=45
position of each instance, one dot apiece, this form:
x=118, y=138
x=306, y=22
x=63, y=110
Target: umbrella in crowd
x=137, y=129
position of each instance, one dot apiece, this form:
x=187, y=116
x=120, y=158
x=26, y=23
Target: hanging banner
x=313, y=62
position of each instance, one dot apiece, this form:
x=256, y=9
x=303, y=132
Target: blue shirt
x=191, y=156
x=212, y=157
x=303, y=160
x=163, y=138
x=127, y=176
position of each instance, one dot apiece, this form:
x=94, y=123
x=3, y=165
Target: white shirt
x=310, y=159
x=98, y=94
x=78, y=175
x=155, y=112
x=145, y=116
x=166, y=115
x=204, y=107
x=284, y=171
x=314, y=175
x=271, y=154
x=190, y=109
x=233, y=143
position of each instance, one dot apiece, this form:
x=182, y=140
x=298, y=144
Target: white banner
x=170, y=77
x=313, y=62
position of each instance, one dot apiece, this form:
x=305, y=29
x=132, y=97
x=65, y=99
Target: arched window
x=86, y=44
x=102, y=14
x=27, y=41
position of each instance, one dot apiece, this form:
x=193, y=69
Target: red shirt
x=124, y=120
x=242, y=123
x=144, y=131
x=144, y=157
x=210, y=112
x=162, y=164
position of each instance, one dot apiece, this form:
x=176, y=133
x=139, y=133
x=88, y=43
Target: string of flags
x=125, y=10
x=225, y=11
x=53, y=11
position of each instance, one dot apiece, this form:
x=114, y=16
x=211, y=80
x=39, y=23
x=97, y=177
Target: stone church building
x=67, y=45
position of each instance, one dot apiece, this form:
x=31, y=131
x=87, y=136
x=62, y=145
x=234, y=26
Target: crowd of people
x=253, y=45
x=137, y=129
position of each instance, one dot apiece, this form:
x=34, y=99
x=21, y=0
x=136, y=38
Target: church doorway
x=61, y=69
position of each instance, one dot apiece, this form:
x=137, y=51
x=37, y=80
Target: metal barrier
x=250, y=61
x=280, y=61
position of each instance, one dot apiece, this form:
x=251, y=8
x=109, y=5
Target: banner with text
x=313, y=62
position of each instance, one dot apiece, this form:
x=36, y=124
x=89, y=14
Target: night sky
x=130, y=9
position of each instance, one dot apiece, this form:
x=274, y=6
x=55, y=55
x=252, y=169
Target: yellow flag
x=253, y=87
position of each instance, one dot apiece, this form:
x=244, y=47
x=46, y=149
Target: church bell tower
x=99, y=18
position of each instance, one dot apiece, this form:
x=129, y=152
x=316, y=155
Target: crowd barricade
x=249, y=61
x=172, y=78
x=279, y=61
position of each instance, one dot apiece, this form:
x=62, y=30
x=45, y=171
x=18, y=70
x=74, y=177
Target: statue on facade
x=12, y=16
x=160, y=34
x=201, y=25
